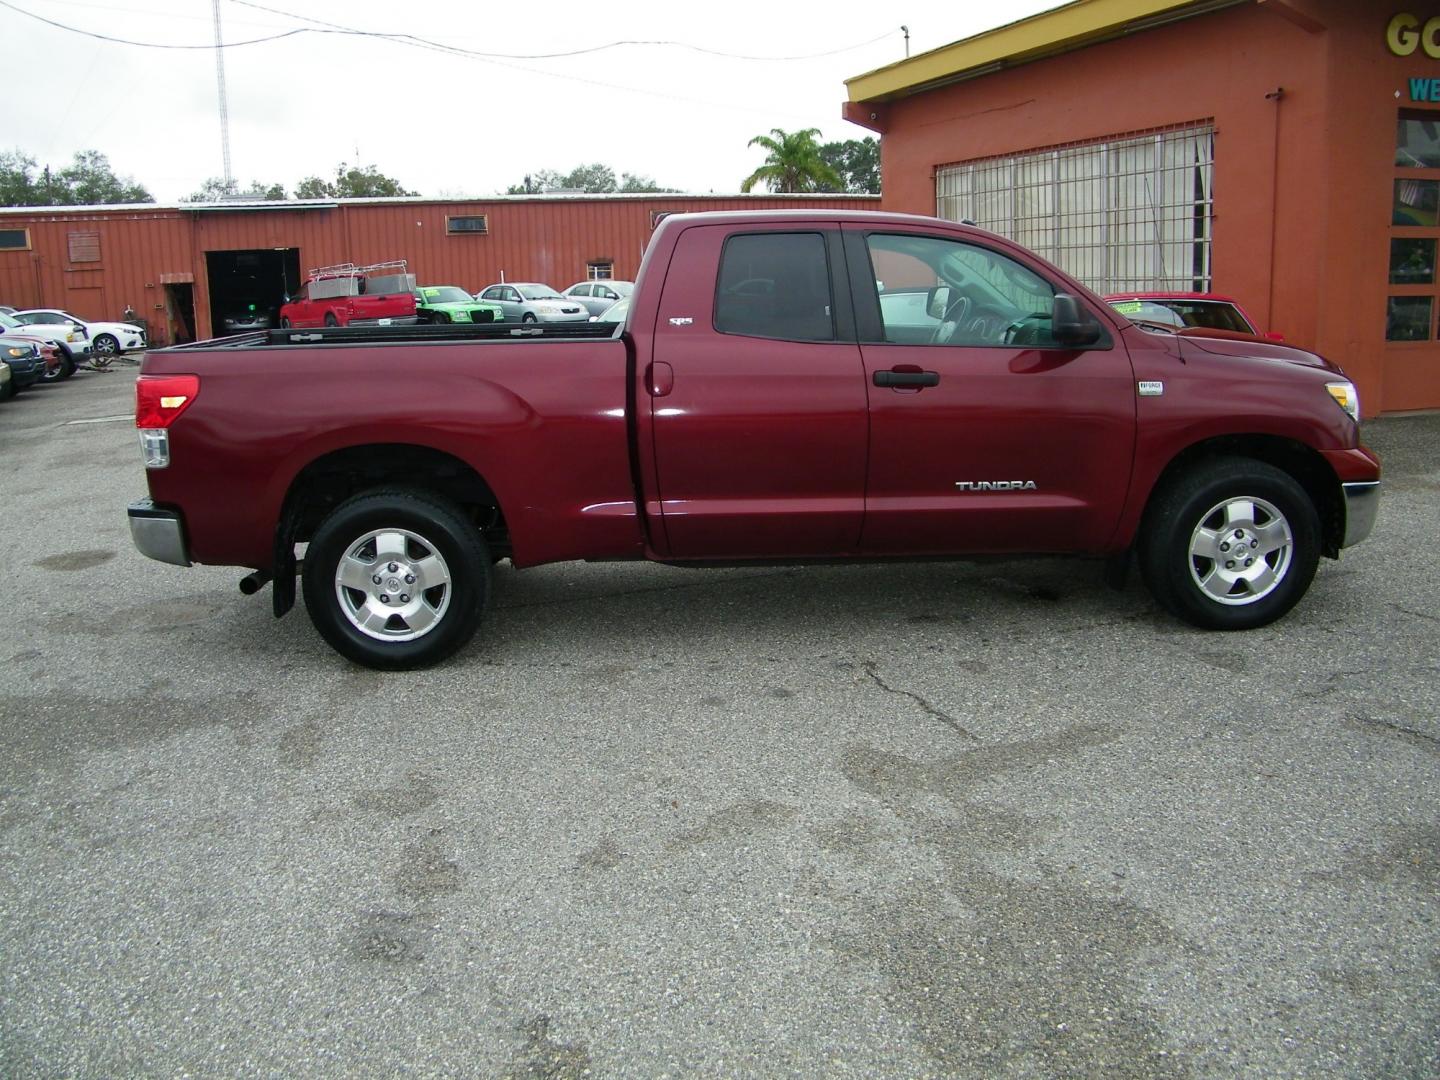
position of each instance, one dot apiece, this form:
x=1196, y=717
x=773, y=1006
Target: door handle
x=907, y=378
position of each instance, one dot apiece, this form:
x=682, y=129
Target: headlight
x=1346, y=397
x=17, y=353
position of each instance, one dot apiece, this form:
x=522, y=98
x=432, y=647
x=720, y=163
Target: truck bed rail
x=371, y=335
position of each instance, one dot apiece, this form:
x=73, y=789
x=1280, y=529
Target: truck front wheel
x=1230, y=544
x=396, y=579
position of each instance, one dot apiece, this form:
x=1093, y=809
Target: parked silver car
x=615, y=313
x=527, y=301
x=597, y=296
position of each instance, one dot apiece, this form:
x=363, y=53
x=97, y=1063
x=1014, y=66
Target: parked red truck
x=787, y=386
x=382, y=294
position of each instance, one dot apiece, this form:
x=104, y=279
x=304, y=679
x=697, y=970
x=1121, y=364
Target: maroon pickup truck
x=786, y=386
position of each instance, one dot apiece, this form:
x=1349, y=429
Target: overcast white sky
x=443, y=124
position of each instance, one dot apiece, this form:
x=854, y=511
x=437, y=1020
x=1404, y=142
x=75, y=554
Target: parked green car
x=449, y=304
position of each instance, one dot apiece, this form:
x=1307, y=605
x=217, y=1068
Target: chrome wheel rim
x=393, y=585
x=106, y=345
x=1241, y=551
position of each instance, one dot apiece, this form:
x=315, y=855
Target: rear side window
x=775, y=285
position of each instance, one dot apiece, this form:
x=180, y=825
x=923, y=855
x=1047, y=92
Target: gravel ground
x=884, y=821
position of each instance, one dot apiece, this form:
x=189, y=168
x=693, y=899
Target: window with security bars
x=1129, y=213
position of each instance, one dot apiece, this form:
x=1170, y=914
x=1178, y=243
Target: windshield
x=9, y=323
x=615, y=312
x=446, y=294
x=1213, y=314
x=538, y=292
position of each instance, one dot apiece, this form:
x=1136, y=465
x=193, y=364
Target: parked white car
x=528, y=301
x=106, y=338
x=598, y=296
x=70, y=338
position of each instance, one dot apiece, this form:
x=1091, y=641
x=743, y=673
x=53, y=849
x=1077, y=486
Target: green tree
x=217, y=188
x=792, y=163
x=593, y=179
x=633, y=182
x=351, y=182
x=17, y=179
x=857, y=162
x=87, y=181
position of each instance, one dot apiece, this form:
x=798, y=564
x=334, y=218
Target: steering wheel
x=950, y=321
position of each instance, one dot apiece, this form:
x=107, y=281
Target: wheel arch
x=328, y=480
x=340, y=474
x=1305, y=465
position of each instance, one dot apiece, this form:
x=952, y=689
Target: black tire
x=1219, y=508
x=426, y=526
x=528, y=317
x=8, y=389
x=107, y=345
x=66, y=368
x=330, y=319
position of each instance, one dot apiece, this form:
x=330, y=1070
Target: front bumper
x=1362, y=503
x=158, y=534
x=25, y=372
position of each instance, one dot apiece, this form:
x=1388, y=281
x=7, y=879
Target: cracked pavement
x=911, y=820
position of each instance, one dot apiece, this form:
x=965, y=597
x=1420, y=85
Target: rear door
x=985, y=435
x=757, y=397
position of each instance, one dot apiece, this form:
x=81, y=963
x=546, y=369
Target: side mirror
x=1071, y=322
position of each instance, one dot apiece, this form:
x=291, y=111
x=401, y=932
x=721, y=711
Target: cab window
x=775, y=285
x=936, y=291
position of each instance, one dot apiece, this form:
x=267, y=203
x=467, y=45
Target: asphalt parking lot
x=884, y=821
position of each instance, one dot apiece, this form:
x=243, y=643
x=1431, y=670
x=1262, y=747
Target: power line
x=336, y=29
x=150, y=44
x=412, y=39
x=573, y=52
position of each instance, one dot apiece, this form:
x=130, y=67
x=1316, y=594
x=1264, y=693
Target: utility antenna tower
x=224, y=108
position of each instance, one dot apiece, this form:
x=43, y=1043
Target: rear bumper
x=388, y=320
x=158, y=533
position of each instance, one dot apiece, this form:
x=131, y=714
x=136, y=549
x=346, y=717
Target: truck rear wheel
x=1231, y=544
x=396, y=579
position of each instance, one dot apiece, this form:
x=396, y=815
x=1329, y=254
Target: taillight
x=159, y=399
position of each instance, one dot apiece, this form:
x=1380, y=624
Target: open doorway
x=248, y=287
x=180, y=312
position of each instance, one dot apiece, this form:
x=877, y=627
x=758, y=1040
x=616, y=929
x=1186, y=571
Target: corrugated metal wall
x=528, y=239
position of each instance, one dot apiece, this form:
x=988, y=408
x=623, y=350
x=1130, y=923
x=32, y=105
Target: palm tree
x=793, y=163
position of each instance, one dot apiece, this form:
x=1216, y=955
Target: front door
x=985, y=435
x=757, y=398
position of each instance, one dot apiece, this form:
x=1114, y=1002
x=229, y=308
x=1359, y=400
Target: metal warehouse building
x=1285, y=152
x=182, y=268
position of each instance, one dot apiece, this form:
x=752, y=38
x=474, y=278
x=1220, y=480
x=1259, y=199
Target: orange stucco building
x=1284, y=152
